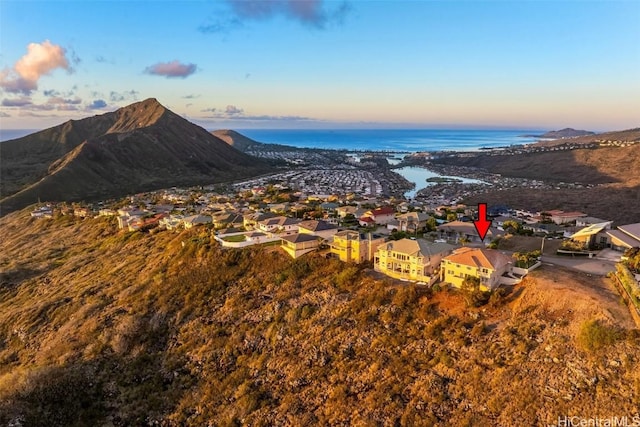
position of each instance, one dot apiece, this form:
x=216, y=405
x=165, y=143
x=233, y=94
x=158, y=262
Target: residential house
x=227, y=219
x=456, y=230
x=592, y=236
x=562, y=217
x=131, y=211
x=490, y=266
x=352, y=246
x=343, y=211
x=412, y=222
x=82, y=212
x=255, y=237
x=366, y=221
x=380, y=216
x=42, y=212
x=125, y=221
x=251, y=220
x=145, y=223
x=107, y=212
x=195, y=220
x=278, y=208
x=317, y=228
x=329, y=206
x=589, y=220
x=410, y=259
x=299, y=244
x=625, y=237
x=171, y=222
x=279, y=224
x=541, y=228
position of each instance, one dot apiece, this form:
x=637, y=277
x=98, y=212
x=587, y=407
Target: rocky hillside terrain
x=141, y=147
x=100, y=327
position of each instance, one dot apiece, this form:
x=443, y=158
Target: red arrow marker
x=482, y=224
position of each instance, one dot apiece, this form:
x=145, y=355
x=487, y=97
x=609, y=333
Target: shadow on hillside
x=133, y=380
x=619, y=204
x=11, y=278
x=548, y=166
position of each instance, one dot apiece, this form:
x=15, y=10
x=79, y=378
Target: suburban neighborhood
x=408, y=241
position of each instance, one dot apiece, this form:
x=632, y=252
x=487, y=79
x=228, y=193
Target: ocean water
x=402, y=140
x=410, y=140
x=7, y=134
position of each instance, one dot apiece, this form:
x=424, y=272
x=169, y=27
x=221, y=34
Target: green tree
x=511, y=226
x=451, y=217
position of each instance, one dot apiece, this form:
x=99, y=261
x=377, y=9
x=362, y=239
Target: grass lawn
x=236, y=238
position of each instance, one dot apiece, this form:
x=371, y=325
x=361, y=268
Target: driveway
x=595, y=266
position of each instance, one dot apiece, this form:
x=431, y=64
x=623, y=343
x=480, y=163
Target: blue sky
x=323, y=64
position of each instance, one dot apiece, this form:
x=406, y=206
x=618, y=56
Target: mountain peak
x=137, y=115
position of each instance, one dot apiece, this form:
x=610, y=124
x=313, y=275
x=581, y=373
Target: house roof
x=591, y=230
x=416, y=216
x=592, y=220
x=632, y=230
x=460, y=227
x=627, y=240
x=385, y=210
x=563, y=214
x=300, y=237
x=279, y=220
x=366, y=219
x=479, y=258
x=197, y=219
x=313, y=225
x=417, y=247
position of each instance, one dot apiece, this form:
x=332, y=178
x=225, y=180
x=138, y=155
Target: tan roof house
x=490, y=266
x=409, y=259
x=299, y=244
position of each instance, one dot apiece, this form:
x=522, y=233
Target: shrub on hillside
x=595, y=335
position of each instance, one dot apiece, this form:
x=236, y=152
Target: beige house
x=352, y=246
x=194, y=220
x=279, y=224
x=417, y=260
x=299, y=244
x=490, y=266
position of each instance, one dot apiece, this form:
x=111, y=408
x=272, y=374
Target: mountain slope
x=566, y=133
x=100, y=327
x=236, y=140
x=629, y=135
x=137, y=148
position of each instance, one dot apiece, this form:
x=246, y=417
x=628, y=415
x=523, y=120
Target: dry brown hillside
x=99, y=327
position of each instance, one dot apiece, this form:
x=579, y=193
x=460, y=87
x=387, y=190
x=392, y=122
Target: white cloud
x=41, y=59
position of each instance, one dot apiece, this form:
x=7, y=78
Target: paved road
x=597, y=267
